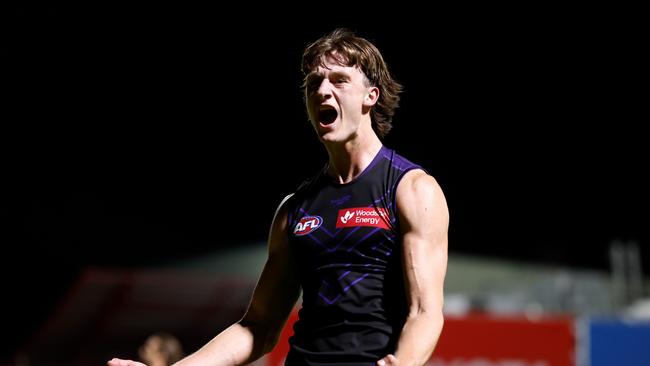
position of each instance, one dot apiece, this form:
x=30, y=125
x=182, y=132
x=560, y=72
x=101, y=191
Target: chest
x=344, y=225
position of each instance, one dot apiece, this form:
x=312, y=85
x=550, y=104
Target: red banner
x=483, y=340
x=497, y=340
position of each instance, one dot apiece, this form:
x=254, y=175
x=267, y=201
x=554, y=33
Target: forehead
x=331, y=64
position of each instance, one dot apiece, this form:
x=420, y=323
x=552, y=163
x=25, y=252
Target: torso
x=347, y=247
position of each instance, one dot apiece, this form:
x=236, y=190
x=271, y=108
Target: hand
x=120, y=362
x=389, y=360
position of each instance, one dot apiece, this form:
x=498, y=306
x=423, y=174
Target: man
x=365, y=239
x=161, y=349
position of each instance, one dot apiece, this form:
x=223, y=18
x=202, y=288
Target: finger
x=120, y=362
x=392, y=360
x=117, y=362
x=389, y=360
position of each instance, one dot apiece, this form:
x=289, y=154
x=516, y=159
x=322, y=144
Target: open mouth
x=327, y=115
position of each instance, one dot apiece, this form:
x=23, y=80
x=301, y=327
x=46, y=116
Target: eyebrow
x=314, y=75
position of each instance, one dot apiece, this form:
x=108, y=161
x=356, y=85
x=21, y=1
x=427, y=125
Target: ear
x=371, y=98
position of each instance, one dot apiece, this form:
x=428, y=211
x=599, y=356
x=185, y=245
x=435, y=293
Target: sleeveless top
x=346, y=245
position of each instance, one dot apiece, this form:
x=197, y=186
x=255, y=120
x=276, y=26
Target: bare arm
x=258, y=331
x=275, y=295
x=424, y=220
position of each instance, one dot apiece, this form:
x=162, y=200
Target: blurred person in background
x=365, y=239
x=161, y=349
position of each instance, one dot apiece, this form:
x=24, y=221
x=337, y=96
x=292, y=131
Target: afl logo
x=307, y=224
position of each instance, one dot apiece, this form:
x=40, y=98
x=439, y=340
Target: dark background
x=134, y=136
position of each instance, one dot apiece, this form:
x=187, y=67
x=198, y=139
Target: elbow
x=438, y=322
x=424, y=309
x=269, y=342
x=432, y=315
x=439, y=317
x=265, y=337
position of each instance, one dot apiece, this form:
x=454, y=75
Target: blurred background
x=145, y=149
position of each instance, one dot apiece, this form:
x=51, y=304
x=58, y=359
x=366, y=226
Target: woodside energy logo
x=363, y=216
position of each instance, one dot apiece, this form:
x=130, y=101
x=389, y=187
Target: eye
x=312, y=83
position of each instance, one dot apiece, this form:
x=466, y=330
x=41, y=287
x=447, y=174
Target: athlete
x=365, y=239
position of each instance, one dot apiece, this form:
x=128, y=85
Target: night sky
x=134, y=136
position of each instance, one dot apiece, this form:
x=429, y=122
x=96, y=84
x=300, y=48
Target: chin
x=325, y=133
x=327, y=137
x=332, y=138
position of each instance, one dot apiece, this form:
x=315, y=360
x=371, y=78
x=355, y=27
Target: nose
x=324, y=91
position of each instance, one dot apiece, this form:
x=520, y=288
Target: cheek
x=310, y=113
x=311, y=117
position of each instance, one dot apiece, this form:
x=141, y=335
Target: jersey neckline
x=374, y=162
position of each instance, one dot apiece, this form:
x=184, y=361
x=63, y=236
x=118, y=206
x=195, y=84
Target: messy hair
x=350, y=50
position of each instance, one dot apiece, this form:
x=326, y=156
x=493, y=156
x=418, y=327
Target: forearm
x=419, y=338
x=237, y=345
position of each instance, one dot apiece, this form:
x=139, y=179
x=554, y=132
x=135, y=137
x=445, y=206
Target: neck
x=349, y=159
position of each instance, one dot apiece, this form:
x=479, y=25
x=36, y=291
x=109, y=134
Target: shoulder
x=418, y=182
x=420, y=194
x=280, y=217
x=277, y=240
x=282, y=207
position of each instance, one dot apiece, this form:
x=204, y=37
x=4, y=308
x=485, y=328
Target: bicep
x=277, y=289
x=424, y=221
